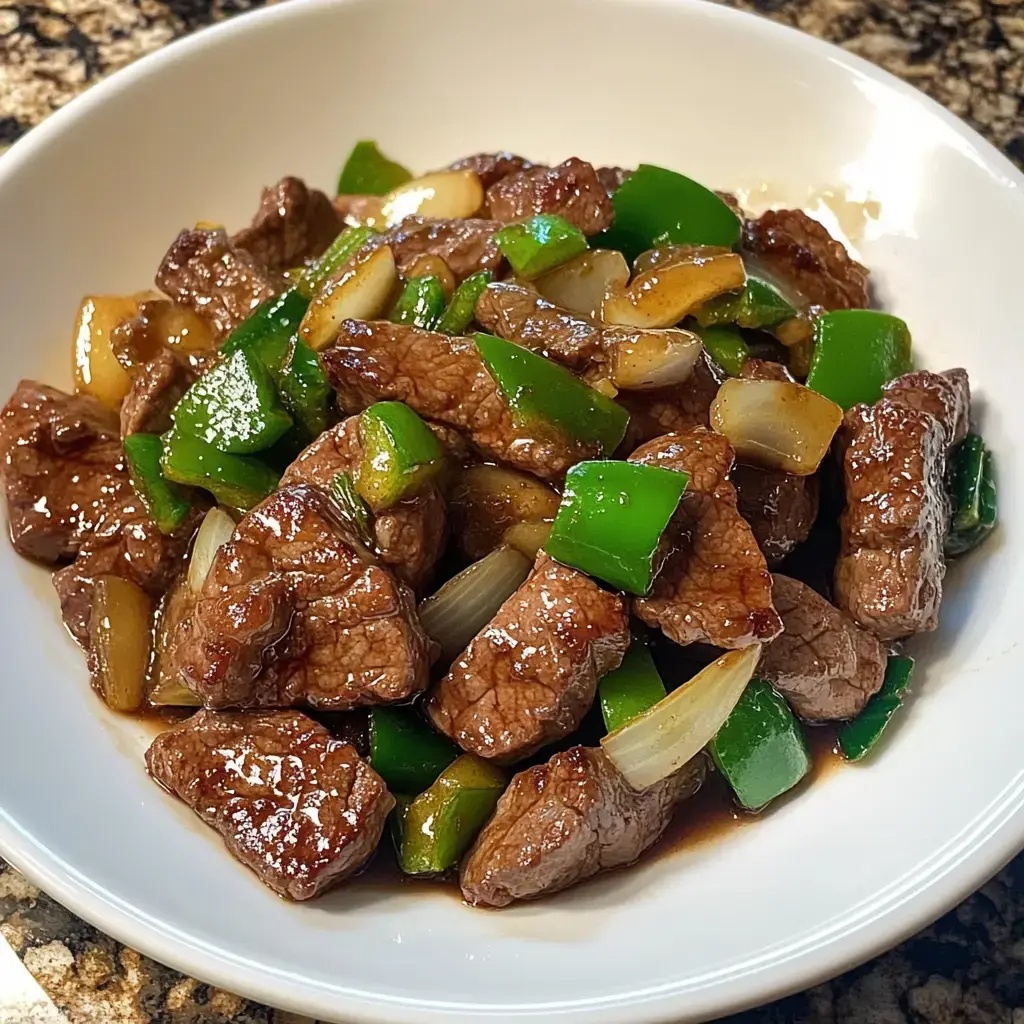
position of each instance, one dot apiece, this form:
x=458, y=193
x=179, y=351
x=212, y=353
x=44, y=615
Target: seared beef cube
x=612, y=178
x=764, y=369
x=947, y=396
x=299, y=808
x=409, y=536
x=823, y=663
x=529, y=676
x=62, y=461
x=572, y=190
x=491, y=167
x=780, y=508
x=568, y=819
x=466, y=245
x=155, y=390
x=714, y=586
x=291, y=613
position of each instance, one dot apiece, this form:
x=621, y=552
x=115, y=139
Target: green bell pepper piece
x=267, y=334
x=541, y=393
x=166, y=502
x=856, y=351
x=396, y=820
x=335, y=256
x=760, y=749
x=858, y=736
x=400, y=453
x=461, y=310
x=442, y=822
x=353, y=509
x=237, y=481
x=611, y=519
x=758, y=306
x=306, y=391
x=405, y=751
x=367, y=172
x=726, y=346
x=975, y=499
x=630, y=689
x=540, y=244
x=656, y=207
x=421, y=303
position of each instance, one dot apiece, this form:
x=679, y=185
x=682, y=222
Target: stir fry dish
x=488, y=515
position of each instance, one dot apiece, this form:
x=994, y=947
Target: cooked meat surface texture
x=467, y=246
x=715, y=586
x=568, y=819
x=296, y=806
x=155, y=390
x=530, y=675
x=612, y=178
x=780, y=508
x=490, y=168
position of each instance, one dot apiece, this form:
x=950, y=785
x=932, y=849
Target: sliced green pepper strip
x=758, y=306
x=631, y=688
x=611, y=520
x=966, y=472
x=856, y=351
x=368, y=172
x=726, y=346
x=858, y=736
x=400, y=453
x=760, y=749
x=354, y=510
x=396, y=820
x=306, y=391
x=540, y=244
x=405, y=751
x=459, y=314
x=542, y=393
x=337, y=254
x=166, y=502
x=421, y=303
x=442, y=822
x=961, y=541
x=267, y=334
x=237, y=481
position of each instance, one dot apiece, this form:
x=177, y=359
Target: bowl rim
x=900, y=910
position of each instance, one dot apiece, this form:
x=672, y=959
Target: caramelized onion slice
x=120, y=632
x=641, y=360
x=528, y=538
x=441, y=195
x=581, y=284
x=216, y=529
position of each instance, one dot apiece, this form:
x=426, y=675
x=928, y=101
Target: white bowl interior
x=89, y=204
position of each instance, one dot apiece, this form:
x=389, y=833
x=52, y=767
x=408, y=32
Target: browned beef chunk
x=293, y=224
x=572, y=190
x=291, y=613
x=409, y=536
x=612, y=178
x=155, y=391
x=157, y=324
x=765, y=369
x=529, y=677
x=62, y=460
x=715, y=586
x=465, y=245
x=823, y=663
x=491, y=167
x=204, y=272
x=780, y=507
x=293, y=804
x=566, y=820
x=890, y=569
x=800, y=251
x=443, y=379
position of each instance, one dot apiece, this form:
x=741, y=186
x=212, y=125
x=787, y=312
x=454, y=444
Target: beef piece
x=61, y=461
x=291, y=613
x=466, y=245
x=612, y=178
x=890, y=569
x=138, y=341
x=568, y=819
x=204, y=272
x=293, y=224
x=715, y=586
x=290, y=802
x=798, y=250
x=780, y=508
x=490, y=168
x=823, y=663
x=155, y=391
x=410, y=536
x=529, y=676
x=765, y=369
x=442, y=378
x=572, y=190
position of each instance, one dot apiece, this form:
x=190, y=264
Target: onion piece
x=466, y=603
x=120, y=633
x=428, y=264
x=97, y=371
x=581, y=284
x=441, y=195
x=528, y=538
x=360, y=291
x=661, y=740
x=215, y=530
x=776, y=423
x=641, y=360
x=664, y=294
x=170, y=691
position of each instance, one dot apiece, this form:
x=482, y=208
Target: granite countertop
x=969, y=967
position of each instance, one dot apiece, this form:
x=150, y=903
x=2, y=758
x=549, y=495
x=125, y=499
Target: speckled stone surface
x=968, y=967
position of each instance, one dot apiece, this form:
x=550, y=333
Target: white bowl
x=89, y=203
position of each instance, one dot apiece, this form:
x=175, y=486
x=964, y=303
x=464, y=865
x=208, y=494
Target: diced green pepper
x=166, y=502
x=237, y=481
x=459, y=314
x=368, y=172
x=306, y=391
x=611, y=519
x=405, y=751
x=858, y=736
x=975, y=498
x=760, y=749
x=400, y=453
x=421, y=303
x=856, y=351
x=726, y=346
x=442, y=822
x=758, y=306
x=631, y=688
x=337, y=254
x=540, y=244
x=267, y=334
x=353, y=509
x=396, y=820
x=542, y=393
